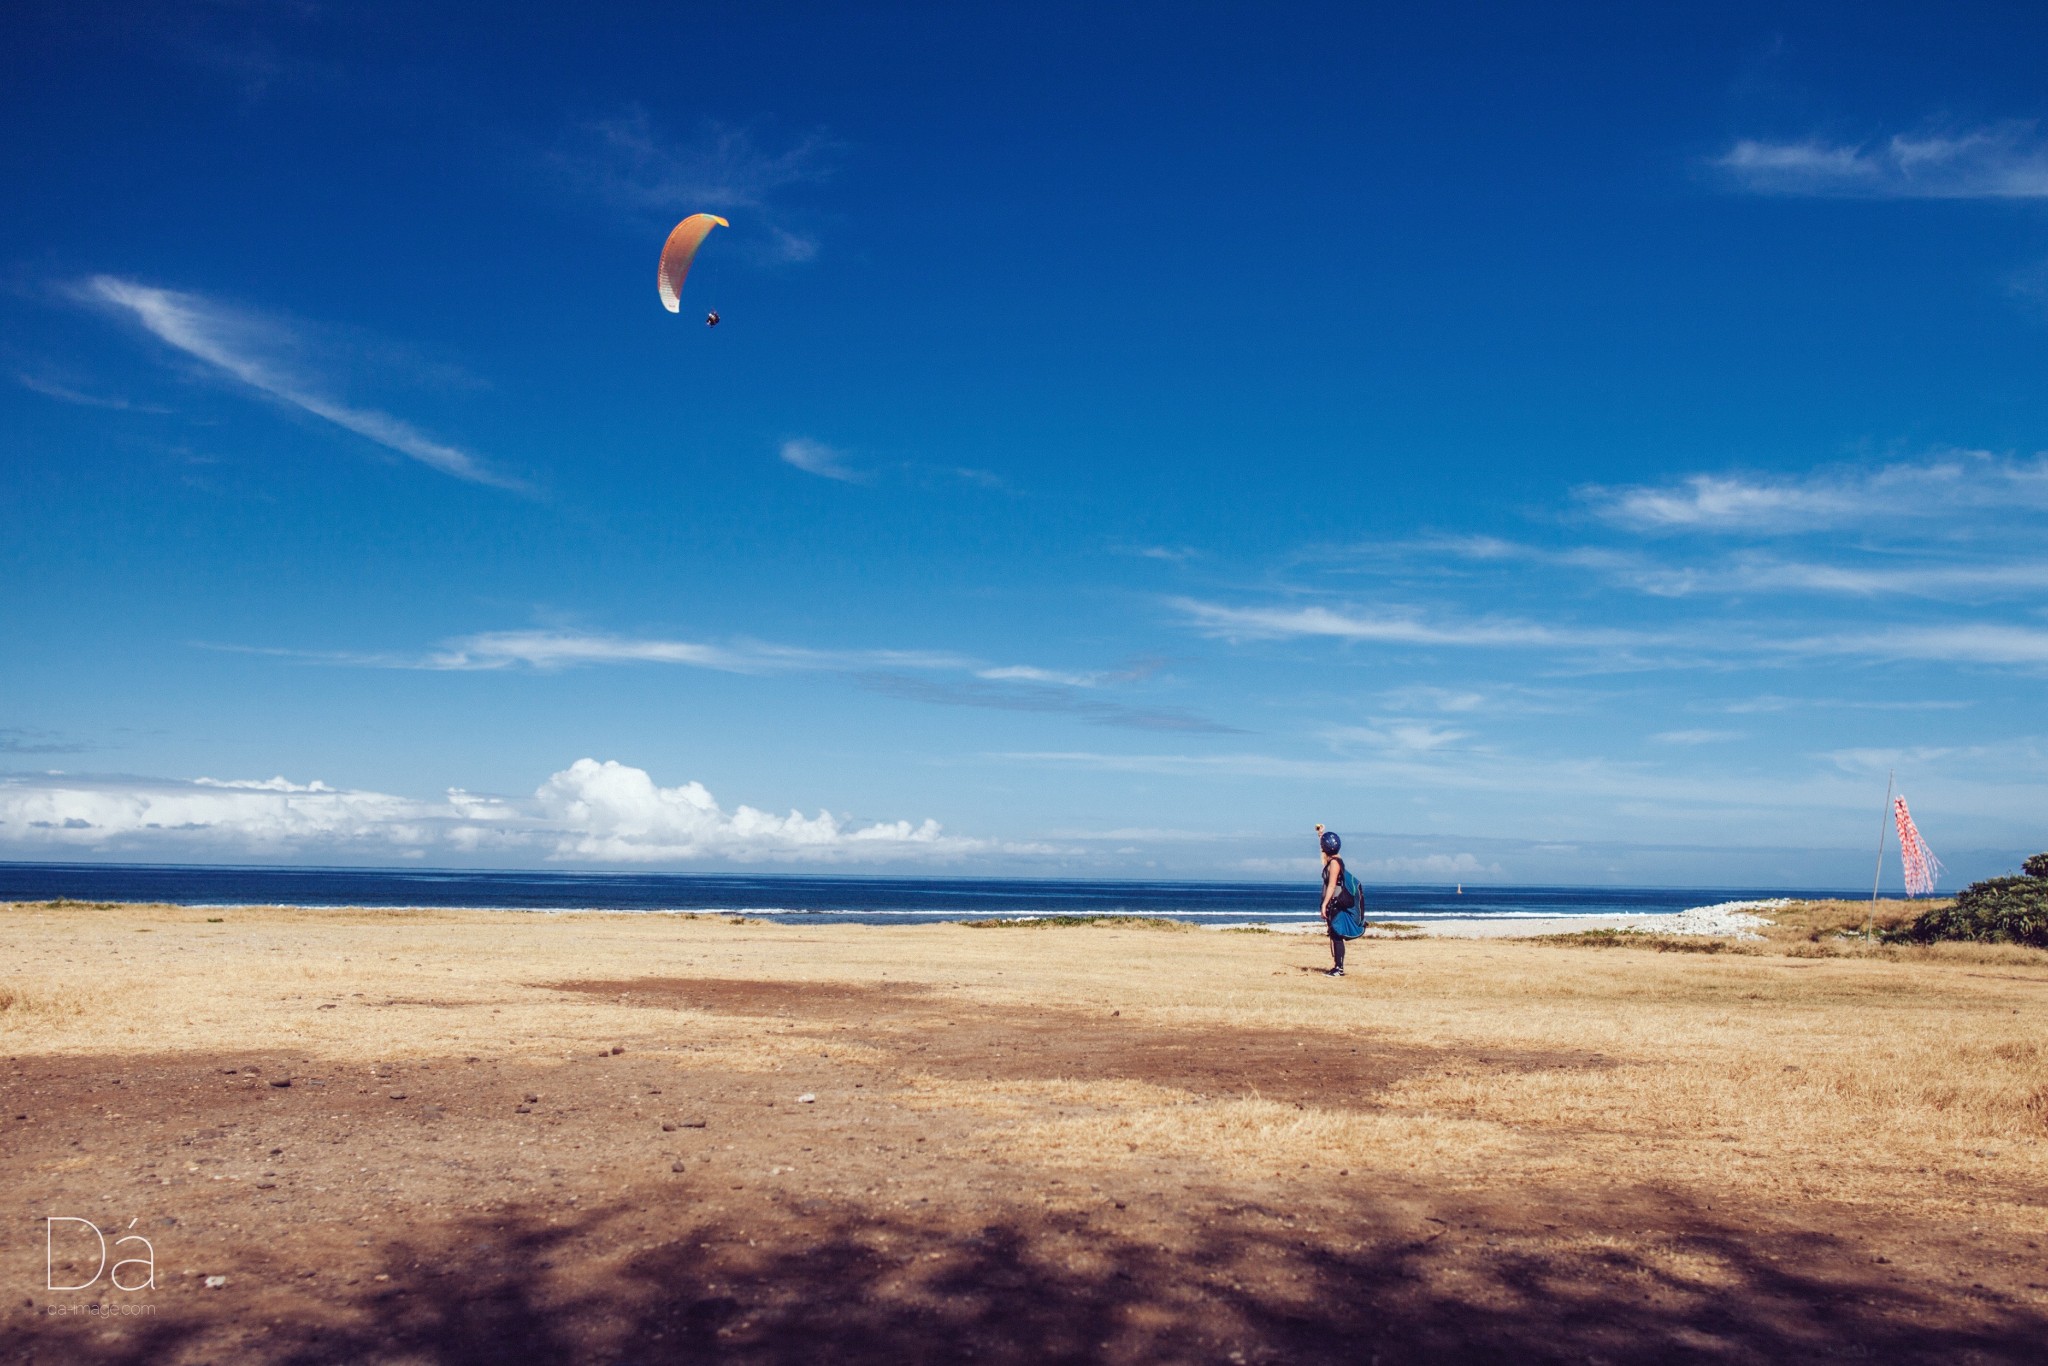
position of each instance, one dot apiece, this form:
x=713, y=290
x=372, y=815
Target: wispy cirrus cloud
x=982, y=479
x=635, y=165
x=2006, y=160
x=549, y=650
x=64, y=393
x=1428, y=697
x=1769, y=703
x=28, y=740
x=255, y=351
x=1874, y=760
x=1867, y=577
x=1030, y=673
x=624, y=160
x=1722, y=502
x=830, y=462
x=815, y=457
x=1697, y=736
x=1167, y=554
x=1396, y=734
x=1445, y=771
x=1436, y=867
x=919, y=675
x=999, y=695
x=1995, y=643
x=1985, y=780
x=937, y=677
x=1728, y=643
x=1388, y=628
x=1903, y=568
x=1835, y=497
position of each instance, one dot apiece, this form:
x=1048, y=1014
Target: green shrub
x=1999, y=910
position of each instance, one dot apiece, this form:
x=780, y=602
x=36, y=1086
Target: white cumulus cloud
x=610, y=812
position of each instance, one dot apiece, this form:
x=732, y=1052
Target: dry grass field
x=470, y=1136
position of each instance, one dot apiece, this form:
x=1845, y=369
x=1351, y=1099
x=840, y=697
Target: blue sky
x=1592, y=446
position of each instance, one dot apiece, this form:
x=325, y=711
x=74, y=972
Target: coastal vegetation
x=2001, y=920
x=1998, y=910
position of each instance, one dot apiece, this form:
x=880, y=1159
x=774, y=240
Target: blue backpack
x=1348, y=922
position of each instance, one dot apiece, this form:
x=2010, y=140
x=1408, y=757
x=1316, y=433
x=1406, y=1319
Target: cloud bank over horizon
x=590, y=812
x=596, y=815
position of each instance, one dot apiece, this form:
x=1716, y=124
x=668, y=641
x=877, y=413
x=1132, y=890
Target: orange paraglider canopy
x=678, y=252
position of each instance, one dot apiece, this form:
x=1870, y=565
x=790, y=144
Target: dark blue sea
x=853, y=900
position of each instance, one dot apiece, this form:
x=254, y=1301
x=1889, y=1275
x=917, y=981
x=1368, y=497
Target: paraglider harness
x=1347, y=908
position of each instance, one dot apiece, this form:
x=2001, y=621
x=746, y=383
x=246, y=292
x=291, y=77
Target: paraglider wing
x=678, y=252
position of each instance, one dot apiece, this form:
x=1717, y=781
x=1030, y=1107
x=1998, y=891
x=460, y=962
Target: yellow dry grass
x=19, y=1004
x=1914, y=1083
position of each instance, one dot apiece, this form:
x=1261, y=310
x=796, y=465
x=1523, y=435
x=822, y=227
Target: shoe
x=1333, y=972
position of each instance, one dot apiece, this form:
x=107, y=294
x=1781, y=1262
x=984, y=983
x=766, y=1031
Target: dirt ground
x=473, y=1137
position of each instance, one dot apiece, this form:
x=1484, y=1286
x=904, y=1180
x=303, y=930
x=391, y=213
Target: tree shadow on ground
x=849, y=1285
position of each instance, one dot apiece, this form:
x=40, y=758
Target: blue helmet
x=1331, y=844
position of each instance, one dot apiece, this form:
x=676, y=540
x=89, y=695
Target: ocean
x=819, y=899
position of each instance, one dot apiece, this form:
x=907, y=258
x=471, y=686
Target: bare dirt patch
x=963, y=1038
x=810, y=1000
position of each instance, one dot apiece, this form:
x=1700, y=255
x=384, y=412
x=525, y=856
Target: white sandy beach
x=1730, y=919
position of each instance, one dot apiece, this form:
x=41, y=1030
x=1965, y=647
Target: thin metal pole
x=1882, y=822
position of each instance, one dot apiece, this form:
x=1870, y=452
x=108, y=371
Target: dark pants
x=1336, y=949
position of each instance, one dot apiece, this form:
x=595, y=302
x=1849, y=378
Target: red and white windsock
x=1922, y=867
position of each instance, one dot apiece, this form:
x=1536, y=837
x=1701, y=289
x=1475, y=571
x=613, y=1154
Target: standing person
x=1335, y=897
